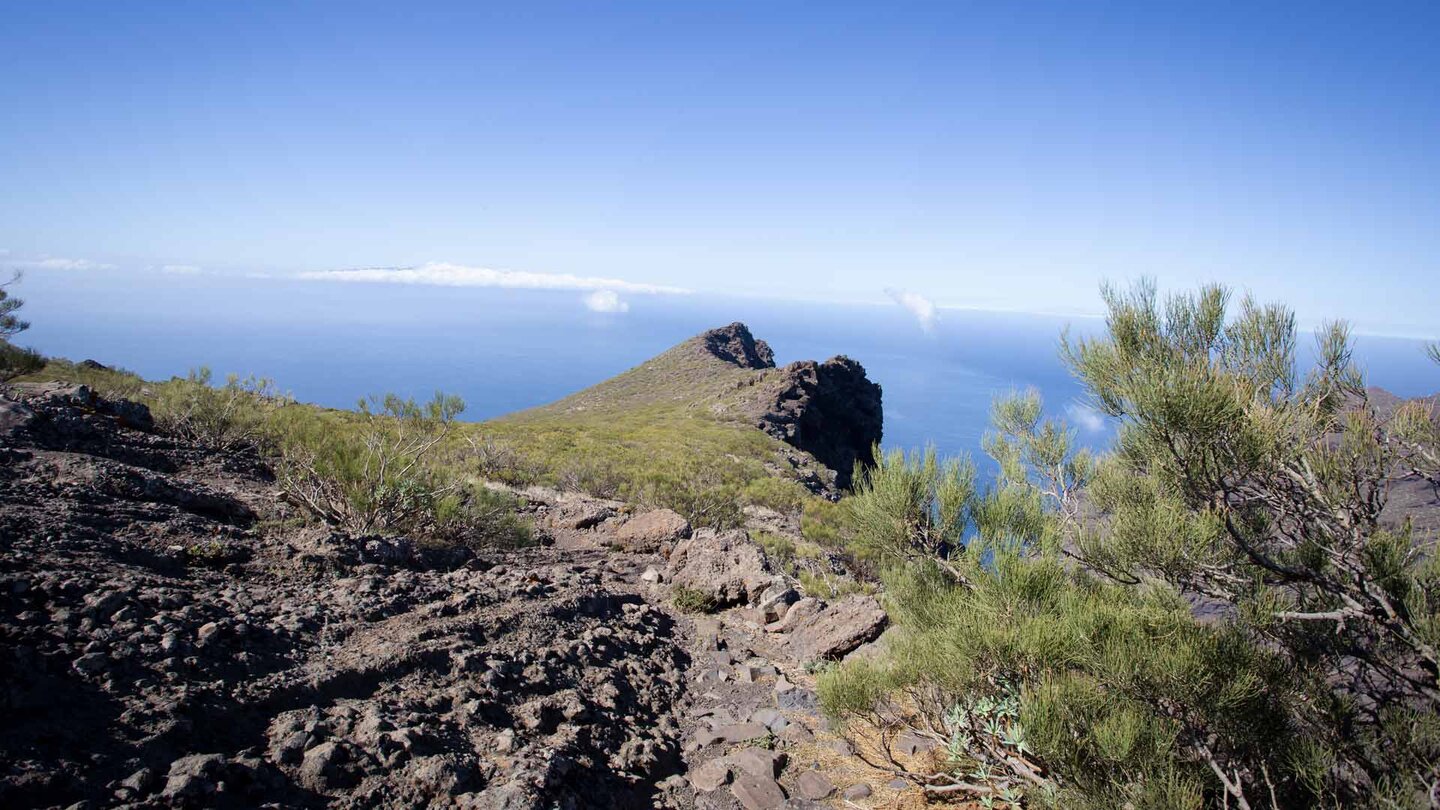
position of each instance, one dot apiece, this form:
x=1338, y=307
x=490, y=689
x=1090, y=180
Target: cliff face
x=830, y=410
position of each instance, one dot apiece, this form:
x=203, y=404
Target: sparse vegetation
x=377, y=474
x=14, y=360
x=238, y=415
x=691, y=600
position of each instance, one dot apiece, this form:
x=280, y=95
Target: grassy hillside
x=676, y=431
x=685, y=418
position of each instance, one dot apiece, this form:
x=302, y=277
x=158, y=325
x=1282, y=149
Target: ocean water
x=504, y=350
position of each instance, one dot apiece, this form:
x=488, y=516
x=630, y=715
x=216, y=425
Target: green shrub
x=690, y=600
x=1054, y=652
x=596, y=478
x=16, y=361
x=784, y=495
x=697, y=491
x=376, y=471
x=233, y=416
x=478, y=519
x=780, y=550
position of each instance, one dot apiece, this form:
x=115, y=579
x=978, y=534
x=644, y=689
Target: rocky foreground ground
x=173, y=637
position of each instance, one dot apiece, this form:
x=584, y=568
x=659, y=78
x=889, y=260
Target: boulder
x=711, y=775
x=725, y=566
x=579, y=514
x=757, y=792
x=759, y=761
x=798, y=614
x=14, y=416
x=838, y=629
x=831, y=410
x=815, y=786
x=652, y=531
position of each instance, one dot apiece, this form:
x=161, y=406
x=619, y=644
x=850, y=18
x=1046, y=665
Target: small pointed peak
x=734, y=344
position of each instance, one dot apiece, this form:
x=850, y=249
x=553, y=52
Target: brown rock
x=739, y=732
x=724, y=565
x=652, y=531
x=711, y=775
x=758, y=761
x=815, y=785
x=798, y=613
x=838, y=629
x=757, y=792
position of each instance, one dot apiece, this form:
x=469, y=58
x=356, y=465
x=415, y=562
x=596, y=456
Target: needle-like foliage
x=1219, y=613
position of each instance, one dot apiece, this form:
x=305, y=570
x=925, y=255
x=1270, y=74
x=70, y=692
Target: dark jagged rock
x=831, y=410
x=735, y=344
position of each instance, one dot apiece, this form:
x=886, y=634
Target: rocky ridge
x=829, y=409
x=173, y=637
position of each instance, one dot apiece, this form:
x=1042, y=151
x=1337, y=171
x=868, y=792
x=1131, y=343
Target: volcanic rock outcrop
x=831, y=410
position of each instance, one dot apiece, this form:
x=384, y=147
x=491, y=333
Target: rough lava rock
x=735, y=344
x=652, y=531
x=724, y=565
x=838, y=629
x=830, y=410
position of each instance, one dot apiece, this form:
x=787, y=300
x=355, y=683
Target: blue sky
x=992, y=155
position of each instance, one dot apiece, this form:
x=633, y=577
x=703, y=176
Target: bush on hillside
x=1235, y=487
x=476, y=519
x=698, y=491
x=375, y=473
x=16, y=361
x=233, y=416
x=784, y=495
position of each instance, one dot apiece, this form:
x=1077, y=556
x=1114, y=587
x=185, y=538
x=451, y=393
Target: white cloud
x=921, y=307
x=1086, y=417
x=58, y=263
x=605, y=301
x=181, y=270
x=445, y=274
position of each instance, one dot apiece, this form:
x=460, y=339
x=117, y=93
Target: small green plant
x=233, y=416
x=16, y=361
x=375, y=474
x=780, y=550
x=784, y=495
x=691, y=600
x=696, y=491
x=478, y=519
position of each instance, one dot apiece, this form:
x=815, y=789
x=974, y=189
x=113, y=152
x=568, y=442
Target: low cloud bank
x=444, y=274
x=58, y=263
